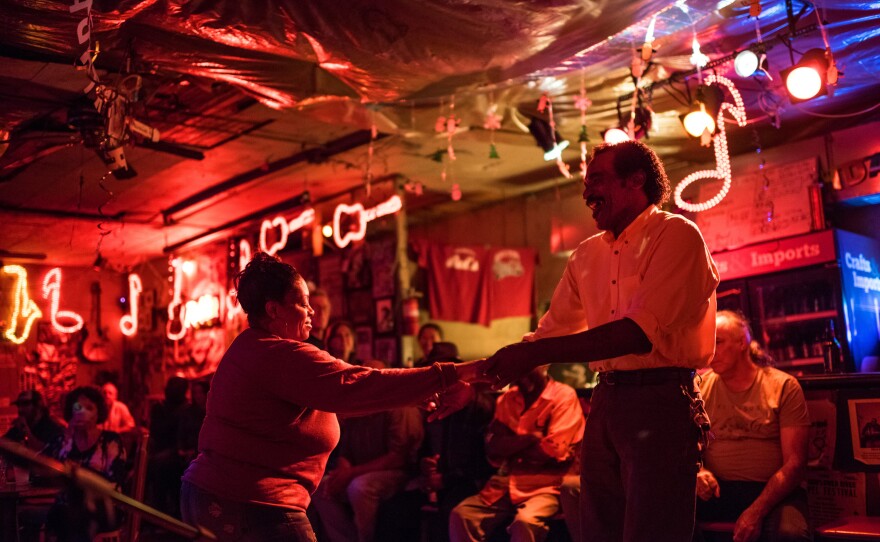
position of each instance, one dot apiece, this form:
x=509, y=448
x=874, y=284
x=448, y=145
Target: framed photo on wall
x=386, y=350
x=864, y=419
x=384, y=315
x=364, y=343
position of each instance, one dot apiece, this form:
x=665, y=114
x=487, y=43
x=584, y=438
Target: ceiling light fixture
x=544, y=136
x=746, y=63
x=613, y=136
x=808, y=78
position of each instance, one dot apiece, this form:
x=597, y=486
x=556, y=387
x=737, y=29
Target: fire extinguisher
x=410, y=307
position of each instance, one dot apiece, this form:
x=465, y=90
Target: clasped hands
x=498, y=370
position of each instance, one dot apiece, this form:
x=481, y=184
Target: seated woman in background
x=271, y=416
x=341, y=342
x=93, y=448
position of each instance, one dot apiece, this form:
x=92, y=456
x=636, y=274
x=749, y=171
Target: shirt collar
x=634, y=227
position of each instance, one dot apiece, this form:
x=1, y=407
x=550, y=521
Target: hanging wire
x=838, y=116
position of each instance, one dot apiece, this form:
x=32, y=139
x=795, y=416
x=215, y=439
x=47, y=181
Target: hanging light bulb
x=746, y=63
x=807, y=78
x=613, y=136
x=704, y=111
x=698, y=121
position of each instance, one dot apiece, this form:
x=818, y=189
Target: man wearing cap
x=34, y=427
x=636, y=301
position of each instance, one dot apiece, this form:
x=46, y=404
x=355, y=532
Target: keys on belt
x=647, y=376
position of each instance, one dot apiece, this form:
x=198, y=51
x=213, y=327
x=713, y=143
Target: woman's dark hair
x=264, y=278
x=430, y=325
x=759, y=356
x=333, y=328
x=91, y=393
x=633, y=156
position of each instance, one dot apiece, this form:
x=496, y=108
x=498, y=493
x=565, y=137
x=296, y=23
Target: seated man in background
x=34, y=427
x=533, y=439
x=119, y=418
x=452, y=465
x=374, y=459
x=754, y=467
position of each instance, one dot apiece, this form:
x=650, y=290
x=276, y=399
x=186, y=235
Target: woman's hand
x=473, y=371
x=450, y=401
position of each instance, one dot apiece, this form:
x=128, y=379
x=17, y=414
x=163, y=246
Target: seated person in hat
x=533, y=439
x=34, y=427
x=754, y=467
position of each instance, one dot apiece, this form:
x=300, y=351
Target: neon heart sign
x=387, y=207
x=285, y=227
x=722, y=157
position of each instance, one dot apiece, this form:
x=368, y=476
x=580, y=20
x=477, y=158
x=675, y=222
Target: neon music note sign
x=129, y=322
x=52, y=290
x=722, y=157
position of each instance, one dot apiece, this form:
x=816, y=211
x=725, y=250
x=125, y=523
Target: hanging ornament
x=754, y=8
x=455, y=193
x=545, y=104
x=582, y=103
x=698, y=59
x=722, y=157
x=492, y=123
x=368, y=174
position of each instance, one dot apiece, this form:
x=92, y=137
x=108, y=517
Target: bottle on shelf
x=831, y=349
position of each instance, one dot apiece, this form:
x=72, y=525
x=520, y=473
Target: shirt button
x=616, y=252
x=613, y=282
x=612, y=311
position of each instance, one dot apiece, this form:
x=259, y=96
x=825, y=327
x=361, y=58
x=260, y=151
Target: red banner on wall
x=774, y=256
x=477, y=284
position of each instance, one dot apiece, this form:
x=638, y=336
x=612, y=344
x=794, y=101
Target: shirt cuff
x=649, y=326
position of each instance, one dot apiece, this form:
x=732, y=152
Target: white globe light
x=803, y=82
x=696, y=122
x=745, y=63
x=615, y=135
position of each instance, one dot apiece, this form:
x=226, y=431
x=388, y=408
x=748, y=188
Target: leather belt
x=640, y=377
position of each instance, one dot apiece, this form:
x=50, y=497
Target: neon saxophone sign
x=387, y=207
x=23, y=307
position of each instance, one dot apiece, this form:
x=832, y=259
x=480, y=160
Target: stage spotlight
x=807, y=78
x=704, y=111
x=613, y=136
x=746, y=63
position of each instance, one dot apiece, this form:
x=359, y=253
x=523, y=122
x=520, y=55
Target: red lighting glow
x=387, y=207
x=52, y=291
x=24, y=306
x=129, y=322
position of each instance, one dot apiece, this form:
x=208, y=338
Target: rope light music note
x=52, y=291
x=722, y=157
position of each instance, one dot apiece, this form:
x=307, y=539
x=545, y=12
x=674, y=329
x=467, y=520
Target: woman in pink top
x=271, y=415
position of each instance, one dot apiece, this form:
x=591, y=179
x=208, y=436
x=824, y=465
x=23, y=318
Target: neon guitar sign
x=285, y=227
x=387, y=207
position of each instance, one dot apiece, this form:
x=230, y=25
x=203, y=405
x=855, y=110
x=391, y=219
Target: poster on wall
x=52, y=370
x=384, y=315
x=382, y=267
x=833, y=494
x=823, y=431
x=197, y=354
x=364, y=343
x=864, y=421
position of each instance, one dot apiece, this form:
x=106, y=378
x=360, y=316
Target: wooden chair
x=134, y=488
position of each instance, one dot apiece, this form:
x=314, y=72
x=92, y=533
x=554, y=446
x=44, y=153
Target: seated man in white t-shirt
x=754, y=467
